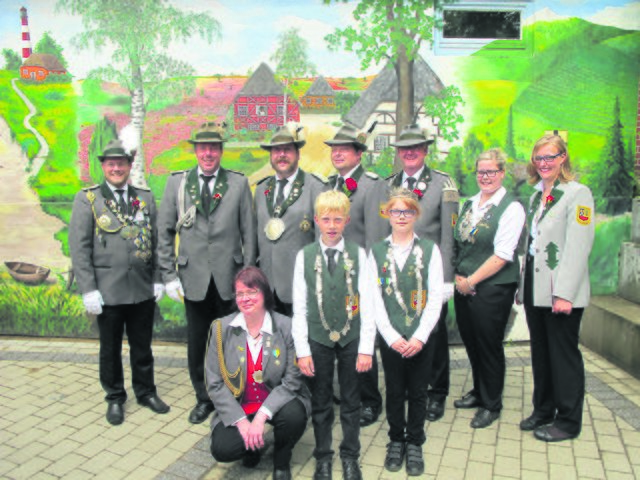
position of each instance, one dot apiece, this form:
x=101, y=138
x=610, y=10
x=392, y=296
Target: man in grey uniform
x=209, y=207
x=367, y=193
x=112, y=238
x=284, y=207
x=439, y=201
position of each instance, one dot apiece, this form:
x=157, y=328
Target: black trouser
x=369, y=391
x=482, y=320
x=321, y=386
x=288, y=423
x=556, y=360
x=438, y=342
x=406, y=378
x=200, y=316
x=137, y=318
x=281, y=307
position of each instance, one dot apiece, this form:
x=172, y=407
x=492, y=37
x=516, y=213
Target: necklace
x=393, y=283
x=334, y=335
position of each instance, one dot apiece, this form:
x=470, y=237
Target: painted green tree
x=139, y=33
x=47, y=44
x=105, y=131
x=292, y=61
x=391, y=30
x=12, y=60
x=615, y=172
x=444, y=108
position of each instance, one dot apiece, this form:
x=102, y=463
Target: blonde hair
x=401, y=194
x=493, y=155
x=565, y=174
x=332, y=201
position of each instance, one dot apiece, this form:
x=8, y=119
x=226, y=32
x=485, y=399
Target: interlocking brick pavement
x=52, y=425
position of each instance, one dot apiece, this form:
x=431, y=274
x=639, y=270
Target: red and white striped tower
x=26, y=39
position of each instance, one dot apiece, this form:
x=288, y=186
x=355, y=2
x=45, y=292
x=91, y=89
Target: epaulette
x=392, y=176
x=234, y=171
x=262, y=180
x=92, y=187
x=322, y=178
x=180, y=171
x=373, y=175
x=440, y=172
x=144, y=189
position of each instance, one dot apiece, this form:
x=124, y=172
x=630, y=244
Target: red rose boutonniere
x=418, y=192
x=351, y=184
x=266, y=192
x=135, y=203
x=217, y=196
x=549, y=200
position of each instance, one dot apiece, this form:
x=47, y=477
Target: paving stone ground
x=52, y=425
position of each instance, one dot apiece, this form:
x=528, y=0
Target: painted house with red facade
x=40, y=65
x=260, y=103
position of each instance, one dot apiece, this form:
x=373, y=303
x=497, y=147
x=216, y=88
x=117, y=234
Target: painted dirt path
x=27, y=232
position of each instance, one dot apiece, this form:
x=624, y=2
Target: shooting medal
x=274, y=229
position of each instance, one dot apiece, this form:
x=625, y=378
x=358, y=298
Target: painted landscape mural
x=75, y=74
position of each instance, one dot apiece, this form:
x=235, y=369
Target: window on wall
x=380, y=143
x=243, y=110
x=468, y=25
x=261, y=110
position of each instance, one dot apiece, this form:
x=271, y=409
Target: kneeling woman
x=252, y=379
x=407, y=306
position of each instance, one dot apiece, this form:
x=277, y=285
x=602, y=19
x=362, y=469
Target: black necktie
x=340, y=183
x=205, y=194
x=331, y=259
x=280, y=196
x=411, y=182
x=122, y=205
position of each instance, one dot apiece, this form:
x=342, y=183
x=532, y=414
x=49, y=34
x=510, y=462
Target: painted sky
x=250, y=30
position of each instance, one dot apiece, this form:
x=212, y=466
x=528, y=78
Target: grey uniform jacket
x=102, y=258
x=216, y=246
x=276, y=258
x=564, y=236
x=281, y=375
x=366, y=226
x=439, y=204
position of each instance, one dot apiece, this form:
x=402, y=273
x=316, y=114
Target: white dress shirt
x=435, y=286
x=116, y=195
x=299, y=323
x=255, y=344
x=510, y=225
x=212, y=182
x=287, y=187
x=415, y=175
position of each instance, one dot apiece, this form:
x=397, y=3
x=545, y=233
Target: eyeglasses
x=247, y=294
x=407, y=213
x=488, y=173
x=546, y=158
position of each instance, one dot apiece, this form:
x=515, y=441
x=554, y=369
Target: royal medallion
x=334, y=336
x=274, y=229
x=257, y=376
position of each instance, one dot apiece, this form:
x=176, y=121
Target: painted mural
x=69, y=84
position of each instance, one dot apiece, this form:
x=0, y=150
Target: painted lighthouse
x=36, y=66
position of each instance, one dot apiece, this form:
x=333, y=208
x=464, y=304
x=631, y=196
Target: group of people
x=285, y=288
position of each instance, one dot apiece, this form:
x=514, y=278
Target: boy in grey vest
x=333, y=319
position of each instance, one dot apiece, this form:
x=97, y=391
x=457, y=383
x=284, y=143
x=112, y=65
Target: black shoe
x=531, y=423
x=368, y=415
x=551, y=433
x=467, y=401
x=200, y=412
x=483, y=418
x=154, y=402
x=351, y=470
x=115, y=413
x=395, y=456
x=251, y=458
x=282, y=473
x=323, y=470
x=435, y=410
x=415, y=460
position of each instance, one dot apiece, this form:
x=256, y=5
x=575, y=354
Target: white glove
x=158, y=291
x=93, y=302
x=174, y=290
x=447, y=292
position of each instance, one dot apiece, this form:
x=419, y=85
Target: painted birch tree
x=291, y=61
x=139, y=34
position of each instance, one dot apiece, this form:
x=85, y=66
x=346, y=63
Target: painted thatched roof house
x=319, y=96
x=378, y=102
x=40, y=65
x=260, y=103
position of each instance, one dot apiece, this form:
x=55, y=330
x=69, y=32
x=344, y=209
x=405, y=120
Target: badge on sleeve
x=454, y=219
x=583, y=215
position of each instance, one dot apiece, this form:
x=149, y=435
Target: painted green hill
x=578, y=69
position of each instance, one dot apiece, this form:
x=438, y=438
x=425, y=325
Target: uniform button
x=537, y=269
